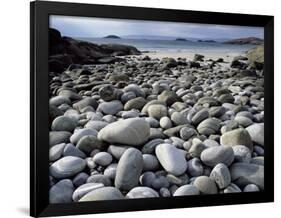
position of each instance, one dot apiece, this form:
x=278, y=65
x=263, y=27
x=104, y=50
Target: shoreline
x=227, y=56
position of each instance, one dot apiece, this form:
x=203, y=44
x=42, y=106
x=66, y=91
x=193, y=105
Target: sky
x=99, y=27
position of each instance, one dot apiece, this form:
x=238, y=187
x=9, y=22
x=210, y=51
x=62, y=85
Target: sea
x=173, y=46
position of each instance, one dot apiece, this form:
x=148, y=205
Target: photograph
x=153, y=109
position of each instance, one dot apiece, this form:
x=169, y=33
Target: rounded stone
x=173, y=189
x=226, y=98
x=156, y=133
x=132, y=131
x=160, y=182
x=96, y=125
x=172, y=159
x=55, y=112
x=246, y=173
x=152, y=122
x=142, y=192
x=232, y=188
x=241, y=153
x=59, y=100
x=256, y=132
x=129, y=114
x=129, y=169
x=57, y=137
x=166, y=123
x=237, y=137
x=136, y=89
x=217, y=111
x=164, y=192
x=136, y=103
x=149, y=147
x=157, y=111
x=150, y=162
x=101, y=194
x=103, y=158
x=177, y=142
x=210, y=101
x=177, y=180
x=169, y=97
x=147, y=178
x=194, y=167
x=107, y=93
x=71, y=150
x=77, y=135
x=110, y=171
x=187, y=145
x=245, y=114
x=90, y=163
x=200, y=116
x=69, y=94
x=229, y=125
x=251, y=188
x=80, y=179
x=55, y=152
x=186, y=190
x=63, y=123
x=127, y=96
x=219, y=154
x=258, y=160
x=259, y=150
x=120, y=77
x=88, y=143
x=117, y=151
x=243, y=121
x=85, y=102
x=152, y=102
x=187, y=132
x=110, y=107
x=205, y=185
x=178, y=118
x=99, y=178
x=67, y=167
x=210, y=143
x=221, y=175
x=61, y=192
x=71, y=113
x=209, y=126
x=84, y=189
x=196, y=149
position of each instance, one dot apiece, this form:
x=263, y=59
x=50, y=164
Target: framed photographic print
x=142, y=109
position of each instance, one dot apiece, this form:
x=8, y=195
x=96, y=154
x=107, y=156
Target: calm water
x=173, y=46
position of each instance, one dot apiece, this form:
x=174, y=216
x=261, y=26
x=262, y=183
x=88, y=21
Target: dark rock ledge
x=64, y=51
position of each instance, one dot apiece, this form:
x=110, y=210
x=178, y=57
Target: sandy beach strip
x=227, y=56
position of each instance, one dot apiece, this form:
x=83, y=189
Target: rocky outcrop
x=256, y=57
x=64, y=51
x=247, y=40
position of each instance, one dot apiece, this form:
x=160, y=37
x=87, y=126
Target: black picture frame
x=39, y=133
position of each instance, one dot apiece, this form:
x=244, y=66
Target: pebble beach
x=154, y=125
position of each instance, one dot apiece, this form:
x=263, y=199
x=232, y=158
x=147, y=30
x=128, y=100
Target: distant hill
x=161, y=37
x=112, y=37
x=200, y=40
x=181, y=39
x=248, y=40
